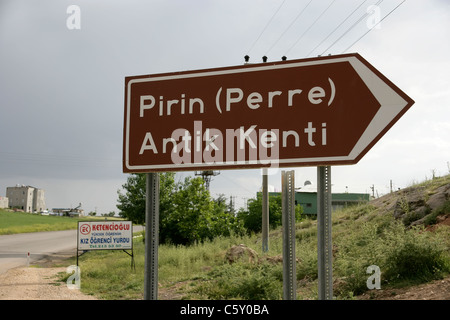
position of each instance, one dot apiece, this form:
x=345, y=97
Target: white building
x=26, y=198
x=3, y=202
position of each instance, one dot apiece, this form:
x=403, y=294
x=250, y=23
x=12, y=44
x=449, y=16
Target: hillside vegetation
x=406, y=234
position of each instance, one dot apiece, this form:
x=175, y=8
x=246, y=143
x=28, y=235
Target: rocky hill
x=425, y=204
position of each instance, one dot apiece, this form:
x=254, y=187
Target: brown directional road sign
x=309, y=112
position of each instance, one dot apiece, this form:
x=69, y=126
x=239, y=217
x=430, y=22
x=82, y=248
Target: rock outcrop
x=417, y=205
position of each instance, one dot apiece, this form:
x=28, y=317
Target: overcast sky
x=62, y=83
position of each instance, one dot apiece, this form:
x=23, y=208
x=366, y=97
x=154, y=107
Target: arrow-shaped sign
x=319, y=111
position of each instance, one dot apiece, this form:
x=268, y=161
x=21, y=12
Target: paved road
x=14, y=248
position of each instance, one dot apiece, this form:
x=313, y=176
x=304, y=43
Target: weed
x=244, y=281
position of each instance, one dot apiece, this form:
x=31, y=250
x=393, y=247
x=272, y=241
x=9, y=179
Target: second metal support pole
x=324, y=245
x=288, y=221
x=265, y=211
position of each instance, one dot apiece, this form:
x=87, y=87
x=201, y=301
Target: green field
x=22, y=222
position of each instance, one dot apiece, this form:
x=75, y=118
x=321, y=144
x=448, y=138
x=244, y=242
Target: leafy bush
x=355, y=252
x=244, y=281
x=415, y=255
x=402, y=254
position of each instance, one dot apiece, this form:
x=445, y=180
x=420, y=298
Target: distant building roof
x=307, y=188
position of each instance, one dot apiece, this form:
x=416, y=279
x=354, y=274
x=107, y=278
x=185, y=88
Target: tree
x=225, y=222
x=188, y=220
x=195, y=217
x=188, y=214
x=132, y=202
x=109, y=214
x=252, y=217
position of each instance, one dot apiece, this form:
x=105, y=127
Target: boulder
x=241, y=251
x=438, y=199
x=410, y=201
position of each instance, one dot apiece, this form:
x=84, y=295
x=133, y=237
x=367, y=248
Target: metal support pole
x=288, y=221
x=324, y=248
x=151, y=237
x=265, y=212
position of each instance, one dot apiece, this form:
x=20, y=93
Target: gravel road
x=39, y=281
x=30, y=283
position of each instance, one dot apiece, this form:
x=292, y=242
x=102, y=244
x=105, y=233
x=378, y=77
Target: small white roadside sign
x=101, y=235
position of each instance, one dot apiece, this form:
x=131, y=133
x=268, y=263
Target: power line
x=348, y=30
x=298, y=16
x=374, y=26
x=317, y=19
x=268, y=23
x=336, y=28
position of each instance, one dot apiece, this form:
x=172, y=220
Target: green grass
x=23, y=222
x=20, y=222
x=108, y=274
x=201, y=271
x=363, y=235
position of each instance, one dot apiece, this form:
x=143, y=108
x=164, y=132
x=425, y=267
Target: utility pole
x=232, y=206
x=206, y=175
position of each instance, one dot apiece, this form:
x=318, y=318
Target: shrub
x=307, y=256
x=415, y=255
x=357, y=251
x=412, y=254
x=244, y=281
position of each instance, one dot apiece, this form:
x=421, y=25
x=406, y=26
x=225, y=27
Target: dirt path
x=435, y=290
x=39, y=282
x=31, y=283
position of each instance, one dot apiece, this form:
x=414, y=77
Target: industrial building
x=307, y=198
x=26, y=198
x=69, y=212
